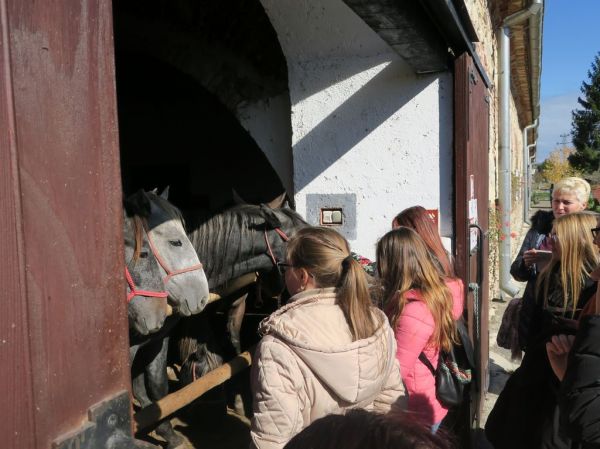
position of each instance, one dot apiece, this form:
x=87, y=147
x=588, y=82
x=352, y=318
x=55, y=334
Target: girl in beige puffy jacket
x=328, y=350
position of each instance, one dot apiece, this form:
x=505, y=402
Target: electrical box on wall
x=337, y=210
x=332, y=217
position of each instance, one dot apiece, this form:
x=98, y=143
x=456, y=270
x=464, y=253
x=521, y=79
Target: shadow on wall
x=355, y=119
x=446, y=151
x=326, y=32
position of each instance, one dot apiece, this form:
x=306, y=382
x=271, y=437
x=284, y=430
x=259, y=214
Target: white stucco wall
x=363, y=123
x=268, y=122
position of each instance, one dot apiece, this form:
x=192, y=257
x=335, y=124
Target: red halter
x=283, y=236
x=134, y=292
x=170, y=273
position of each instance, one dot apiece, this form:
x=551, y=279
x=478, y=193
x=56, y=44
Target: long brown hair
x=326, y=255
x=418, y=220
x=404, y=263
x=578, y=256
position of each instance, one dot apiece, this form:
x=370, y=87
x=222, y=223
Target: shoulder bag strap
x=423, y=358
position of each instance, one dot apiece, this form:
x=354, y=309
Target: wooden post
x=233, y=286
x=173, y=402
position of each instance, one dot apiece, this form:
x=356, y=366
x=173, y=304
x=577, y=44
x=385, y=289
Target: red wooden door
x=63, y=326
x=471, y=112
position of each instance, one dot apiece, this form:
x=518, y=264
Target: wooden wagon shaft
x=233, y=286
x=173, y=402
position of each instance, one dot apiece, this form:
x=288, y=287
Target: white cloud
x=555, y=119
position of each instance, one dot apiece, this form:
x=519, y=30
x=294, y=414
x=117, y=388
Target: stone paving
x=501, y=365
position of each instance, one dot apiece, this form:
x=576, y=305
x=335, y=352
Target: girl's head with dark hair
x=417, y=219
x=404, y=264
x=360, y=429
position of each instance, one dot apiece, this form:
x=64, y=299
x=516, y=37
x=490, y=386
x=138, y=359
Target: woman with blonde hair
x=422, y=305
x=569, y=195
x=326, y=351
x=528, y=404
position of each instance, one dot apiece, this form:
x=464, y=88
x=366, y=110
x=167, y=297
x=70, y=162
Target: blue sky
x=571, y=39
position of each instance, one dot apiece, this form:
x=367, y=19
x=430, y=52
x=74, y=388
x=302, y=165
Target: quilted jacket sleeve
x=579, y=398
x=413, y=330
x=392, y=394
x=277, y=386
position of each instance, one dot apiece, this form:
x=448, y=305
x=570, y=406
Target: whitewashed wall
x=268, y=122
x=362, y=123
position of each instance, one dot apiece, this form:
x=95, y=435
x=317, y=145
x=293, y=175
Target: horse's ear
x=270, y=217
x=138, y=203
x=278, y=202
x=154, y=190
x=165, y=193
x=237, y=199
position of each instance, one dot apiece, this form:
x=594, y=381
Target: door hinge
x=108, y=427
x=473, y=76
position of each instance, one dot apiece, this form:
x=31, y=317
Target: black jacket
x=579, y=397
x=526, y=414
x=541, y=225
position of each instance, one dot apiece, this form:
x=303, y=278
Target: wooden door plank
x=66, y=164
x=17, y=423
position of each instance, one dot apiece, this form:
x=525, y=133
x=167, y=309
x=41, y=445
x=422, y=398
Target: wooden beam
x=405, y=26
x=175, y=401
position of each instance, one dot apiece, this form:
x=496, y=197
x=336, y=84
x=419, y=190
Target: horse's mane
x=138, y=234
x=219, y=240
x=137, y=225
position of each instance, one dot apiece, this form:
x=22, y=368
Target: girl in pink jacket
x=423, y=307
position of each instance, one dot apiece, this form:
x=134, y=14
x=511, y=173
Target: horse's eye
x=144, y=254
x=175, y=242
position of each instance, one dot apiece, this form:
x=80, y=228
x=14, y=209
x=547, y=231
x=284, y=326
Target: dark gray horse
x=160, y=238
x=244, y=239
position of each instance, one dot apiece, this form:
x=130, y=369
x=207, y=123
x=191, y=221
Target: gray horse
x=181, y=275
x=184, y=276
x=147, y=305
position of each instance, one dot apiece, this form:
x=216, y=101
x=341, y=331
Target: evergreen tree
x=586, y=123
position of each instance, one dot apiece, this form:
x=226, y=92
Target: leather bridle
x=163, y=264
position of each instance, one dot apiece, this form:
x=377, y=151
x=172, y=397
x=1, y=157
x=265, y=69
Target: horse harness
x=170, y=273
x=163, y=264
x=284, y=237
x=135, y=292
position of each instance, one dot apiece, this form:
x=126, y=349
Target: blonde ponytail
x=326, y=254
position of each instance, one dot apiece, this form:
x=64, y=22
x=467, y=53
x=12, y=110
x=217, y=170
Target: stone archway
x=202, y=88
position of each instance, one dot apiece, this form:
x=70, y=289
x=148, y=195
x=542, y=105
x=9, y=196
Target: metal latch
x=108, y=427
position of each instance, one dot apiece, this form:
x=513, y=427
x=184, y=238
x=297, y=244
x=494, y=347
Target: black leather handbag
x=454, y=371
